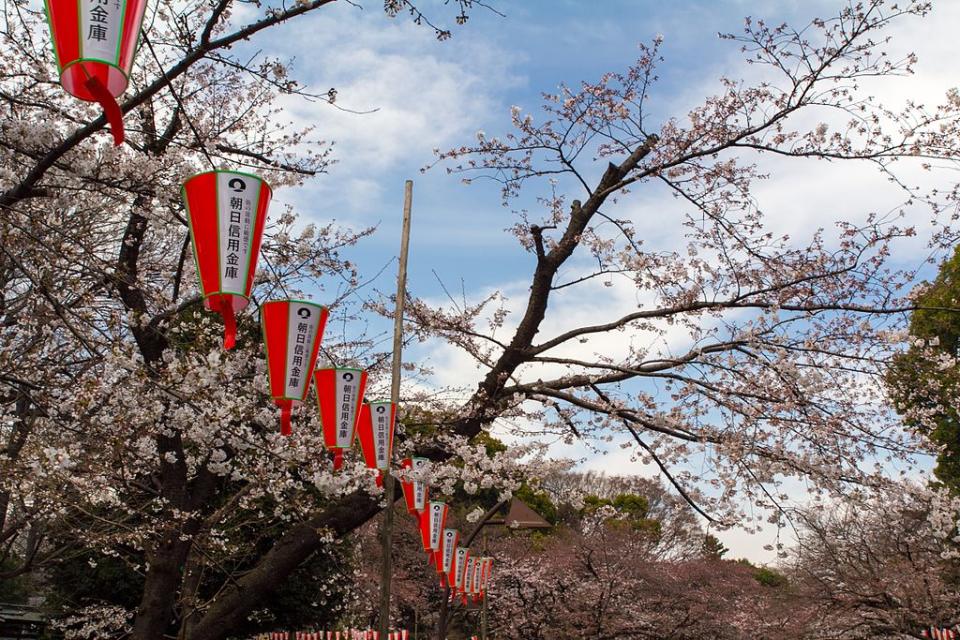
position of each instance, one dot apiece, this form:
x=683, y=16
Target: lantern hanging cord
x=179, y=101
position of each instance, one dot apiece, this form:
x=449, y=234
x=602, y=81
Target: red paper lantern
x=292, y=331
x=444, y=557
x=432, y=522
x=486, y=567
x=339, y=398
x=460, y=564
x=477, y=571
x=415, y=492
x=375, y=432
x=227, y=211
x=468, y=579
x=94, y=42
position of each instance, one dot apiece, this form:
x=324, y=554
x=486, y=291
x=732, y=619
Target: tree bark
x=230, y=609
x=155, y=613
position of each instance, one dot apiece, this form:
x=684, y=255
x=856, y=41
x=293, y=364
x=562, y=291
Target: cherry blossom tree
x=747, y=357
x=128, y=431
x=884, y=566
x=609, y=574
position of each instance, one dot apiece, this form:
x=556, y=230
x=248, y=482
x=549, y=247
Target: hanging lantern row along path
x=352, y=634
x=227, y=211
x=94, y=42
x=456, y=569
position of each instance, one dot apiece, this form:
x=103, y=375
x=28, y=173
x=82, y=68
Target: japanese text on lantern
x=449, y=537
x=436, y=516
x=381, y=431
x=346, y=404
x=461, y=566
x=302, y=329
x=419, y=487
x=238, y=195
x=100, y=26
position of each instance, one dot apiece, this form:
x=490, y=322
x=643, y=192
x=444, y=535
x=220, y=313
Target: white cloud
x=433, y=94
x=423, y=95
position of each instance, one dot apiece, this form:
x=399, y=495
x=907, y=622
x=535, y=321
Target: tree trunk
x=155, y=613
x=230, y=609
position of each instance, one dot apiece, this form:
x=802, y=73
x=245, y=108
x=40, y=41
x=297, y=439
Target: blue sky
x=434, y=94
x=431, y=94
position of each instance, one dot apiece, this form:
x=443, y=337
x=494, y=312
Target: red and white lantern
x=95, y=42
x=375, y=432
x=292, y=331
x=415, y=492
x=476, y=570
x=432, y=523
x=339, y=396
x=226, y=211
x=468, y=575
x=460, y=564
x=444, y=557
x=485, y=571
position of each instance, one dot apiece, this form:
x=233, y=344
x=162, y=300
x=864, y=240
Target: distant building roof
x=521, y=516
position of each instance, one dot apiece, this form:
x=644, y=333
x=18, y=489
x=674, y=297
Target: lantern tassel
x=337, y=459
x=229, y=323
x=111, y=110
x=286, y=407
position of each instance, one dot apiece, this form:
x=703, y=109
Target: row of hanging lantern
x=94, y=43
x=464, y=575
x=351, y=634
x=227, y=211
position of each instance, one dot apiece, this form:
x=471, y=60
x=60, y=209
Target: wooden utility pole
x=386, y=530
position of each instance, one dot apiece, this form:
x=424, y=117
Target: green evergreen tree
x=712, y=548
x=922, y=385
